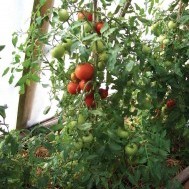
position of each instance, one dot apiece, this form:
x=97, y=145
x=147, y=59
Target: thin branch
x=125, y=8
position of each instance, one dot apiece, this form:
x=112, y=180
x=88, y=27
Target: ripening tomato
x=84, y=71
x=73, y=77
x=99, y=26
x=85, y=15
x=73, y=88
x=85, y=85
x=170, y=103
x=103, y=93
x=89, y=100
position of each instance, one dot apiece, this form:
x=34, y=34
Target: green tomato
x=88, y=138
x=161, y=38
x=98, y=46
x=78, y=145
x=122, y=133
x=165, y=41
x=67, y=43
x=63, y=15
x=172, y=25
x=131, y=149
x=72, y=124
x=167, y=63
x=101, y=66
x=103, y=57
x=58, y=51
x=146, y=49
x=81, y=119
x=154, y=27
x=88, y=27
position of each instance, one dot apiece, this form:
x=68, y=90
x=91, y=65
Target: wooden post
x=26, y=100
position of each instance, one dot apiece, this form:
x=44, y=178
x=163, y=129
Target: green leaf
x=47, y=109
x=11, y=79
x=42, y=2
x=85, y=126
x=129, y=66
x=14, y=40
x=34, y=77
x=2, y=47
x=2, y=112
x=114, y=146
x=6, y=71
x=104, y=28
x=91, y=36
x=22, y=80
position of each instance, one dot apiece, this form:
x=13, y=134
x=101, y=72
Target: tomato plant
x=131, y=116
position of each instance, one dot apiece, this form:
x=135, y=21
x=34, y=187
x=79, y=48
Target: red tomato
x=85, y=15
x=171, y=103
x=73, y=88
x=85, y=85
x=99, y=26
x=89, y=100
x=103, y=93
x=84, y=71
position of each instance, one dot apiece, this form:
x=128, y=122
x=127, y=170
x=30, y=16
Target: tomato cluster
x=82, y=80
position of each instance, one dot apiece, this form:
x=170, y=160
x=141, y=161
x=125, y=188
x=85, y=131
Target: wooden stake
x=26, y=100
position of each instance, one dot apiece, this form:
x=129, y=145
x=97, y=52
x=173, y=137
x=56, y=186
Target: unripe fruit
x=98, y=46
x=165, y=41
x=67, y=43
x=73, y=77
x=172, y=25
x=88, y=27
x=131, y=149
x=146, y=49
x=58, y=51
x=81, y=119
x=63, y=15
x=84, y=15
x=101, y=66
x=122, y=133
x=161, y=38
x=103, y=57
x=88, y=138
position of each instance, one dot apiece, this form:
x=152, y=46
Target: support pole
x=26, y=100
